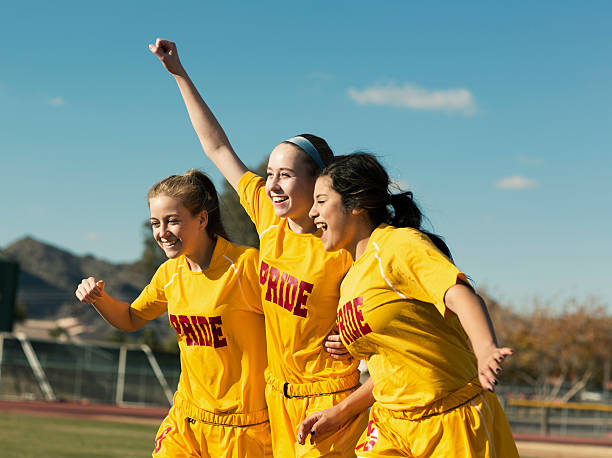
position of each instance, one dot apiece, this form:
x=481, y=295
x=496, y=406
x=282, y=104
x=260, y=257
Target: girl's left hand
x=319, y=424
x=489, y=366
x=334, y=346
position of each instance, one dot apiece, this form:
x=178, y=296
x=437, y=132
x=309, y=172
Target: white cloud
x=516, y=182
x=57, y=101
x=416, y=98
x=92, y=236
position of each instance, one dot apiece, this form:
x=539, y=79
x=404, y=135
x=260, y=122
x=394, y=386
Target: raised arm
x=114, y=311
x=212, y=138
x=475, y=319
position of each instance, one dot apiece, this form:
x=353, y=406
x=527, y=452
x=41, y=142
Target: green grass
x=23, y=436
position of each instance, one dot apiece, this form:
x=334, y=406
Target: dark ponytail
x=363, y=182
x=406, y=213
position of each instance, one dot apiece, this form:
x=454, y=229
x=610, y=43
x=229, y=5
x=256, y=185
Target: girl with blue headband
x=299, y=280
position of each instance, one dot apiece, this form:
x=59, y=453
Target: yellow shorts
x=476, y=428
x=183, y=436
x=289, y=405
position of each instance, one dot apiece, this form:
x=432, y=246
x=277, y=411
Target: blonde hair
x=197, y=193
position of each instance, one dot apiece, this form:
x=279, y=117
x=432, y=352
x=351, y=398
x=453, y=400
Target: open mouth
x=322, y=226
x=168, y=244
x=279, y=199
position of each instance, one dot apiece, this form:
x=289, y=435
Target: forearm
x=329, y=420
x=474, y=317
x=214, y=141
x=358, y=401
x=118, y=313
x=210, y=133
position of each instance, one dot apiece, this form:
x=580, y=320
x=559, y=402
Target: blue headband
x=308, y=148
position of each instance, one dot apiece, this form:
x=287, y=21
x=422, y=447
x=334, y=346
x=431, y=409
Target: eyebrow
x=286, y=169
x=171, y=215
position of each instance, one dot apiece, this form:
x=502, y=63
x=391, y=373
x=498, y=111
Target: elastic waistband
x=450, y=402
x=312, y=389
x=206, y=416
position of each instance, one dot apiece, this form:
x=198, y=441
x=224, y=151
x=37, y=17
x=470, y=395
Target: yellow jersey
x=392, y=314
x=300, y=288
x=219, y=325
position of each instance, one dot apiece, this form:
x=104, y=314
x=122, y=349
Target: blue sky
x=498, y=116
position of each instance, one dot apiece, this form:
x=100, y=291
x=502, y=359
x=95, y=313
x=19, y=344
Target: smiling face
x=289, y=183
x=339, y=224
x=175, y=229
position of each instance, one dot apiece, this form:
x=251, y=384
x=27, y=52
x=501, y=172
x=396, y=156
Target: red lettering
x=159, y=439
x=198, y=330
x=283, y=279
x=305, y=287
x=174, y=322
x=340, y=322
x=215, y=325
x=271, y=293
x=291, y=292
x=194, y=322
x=364, y=327
x=285, y=290
x=263, y=273
x=351, y=323
x=353, y=320
x=188, y=330
x=203, y=322
x=350, y=329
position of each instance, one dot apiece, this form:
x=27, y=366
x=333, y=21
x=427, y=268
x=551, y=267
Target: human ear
x=203, y=219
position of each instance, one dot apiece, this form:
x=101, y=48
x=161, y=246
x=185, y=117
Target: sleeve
x=249, y=280
x=426, y=273
x=252, y=193
x=152, y=301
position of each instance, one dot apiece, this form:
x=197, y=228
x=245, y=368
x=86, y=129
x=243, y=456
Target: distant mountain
x=49, y=276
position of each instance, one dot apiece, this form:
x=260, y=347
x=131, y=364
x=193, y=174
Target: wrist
x=180, y=73
x=484, y=350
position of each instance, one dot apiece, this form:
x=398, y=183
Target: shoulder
x=240, y=254
x=249, y=180
x=388, y=238
x=170, y=265
x=168, y=268
x=401, y=247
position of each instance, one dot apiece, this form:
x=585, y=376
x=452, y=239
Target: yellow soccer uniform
x=392, y=314
x=218, y=320
x=299, y=284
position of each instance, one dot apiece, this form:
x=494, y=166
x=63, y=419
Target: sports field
x=64, y=430
x=24, y=435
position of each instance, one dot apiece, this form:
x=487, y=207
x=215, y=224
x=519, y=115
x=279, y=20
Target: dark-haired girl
x=205, y=286
x=299, y=280
x=409, y=312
